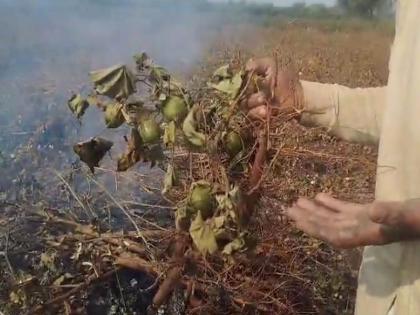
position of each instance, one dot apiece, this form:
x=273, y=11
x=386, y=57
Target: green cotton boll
x=149, y=131
x=233, y=143
x=202, y=199
x=174, y=109
x=114, y=116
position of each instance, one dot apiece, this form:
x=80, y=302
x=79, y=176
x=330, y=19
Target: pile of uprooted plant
x=226, y=181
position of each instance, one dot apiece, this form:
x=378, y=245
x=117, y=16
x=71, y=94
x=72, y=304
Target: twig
x=238, y=99
x=121, y=290
x=6, y=257
x=74, y=194
x=127, y=214
x=141, y=204
x=272, y=96
x=57, y=300
x=174, y=274
x=137, y=263
x=267, y=171
x=168, y=285
x=107, y=237
x=258, y=165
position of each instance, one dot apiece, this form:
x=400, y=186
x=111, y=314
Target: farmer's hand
x=279, y=87
x=347, y=225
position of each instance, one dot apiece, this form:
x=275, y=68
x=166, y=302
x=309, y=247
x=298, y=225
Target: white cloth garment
x=389, y=279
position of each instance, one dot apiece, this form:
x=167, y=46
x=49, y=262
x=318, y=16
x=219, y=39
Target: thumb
x=259, y=112
x=257, y=99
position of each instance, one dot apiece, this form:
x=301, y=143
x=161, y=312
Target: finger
x=257, y=99
x=315, y=208
x=307, y=210
x=259, y=66
x=259, y=112
x=296, y=213
x=313, y=224
x=331, y=202
x=301, y=220
x=301, y=217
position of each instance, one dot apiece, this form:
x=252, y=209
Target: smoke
x=47, y=48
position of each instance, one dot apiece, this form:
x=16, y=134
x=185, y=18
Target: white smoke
x=48, y=47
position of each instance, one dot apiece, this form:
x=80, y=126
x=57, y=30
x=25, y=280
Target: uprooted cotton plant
x=166, y=123
x=212, y=154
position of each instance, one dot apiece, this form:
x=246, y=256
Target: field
x=45, y=254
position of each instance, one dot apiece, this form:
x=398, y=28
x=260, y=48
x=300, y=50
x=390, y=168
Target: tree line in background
x=252, y=9
x=361, y=8
x=367, y=8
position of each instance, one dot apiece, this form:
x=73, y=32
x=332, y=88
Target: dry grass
x=308, y=161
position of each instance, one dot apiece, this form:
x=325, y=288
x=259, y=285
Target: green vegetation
x=366, y=8
x=343, y=8
x=345, y=15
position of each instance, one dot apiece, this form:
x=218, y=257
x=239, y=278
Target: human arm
x=348, y=225
x=350, y=114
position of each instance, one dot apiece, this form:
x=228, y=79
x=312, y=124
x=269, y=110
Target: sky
x=290, y=2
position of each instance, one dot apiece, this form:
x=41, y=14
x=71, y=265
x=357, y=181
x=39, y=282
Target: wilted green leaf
x=169, y=133
x=229, y=201
x=114, y=82
x=134, y=112
x=242, y=243
x=224, y=202
x=203, y=235
x=93, y=100
x=236, y=245
x=169, y=180
x=48, y=260
x=77, y=252
x=78, y=105
x=159, y=74
x=92, y=151
x=162, y=97
x=229, y=86
x=183, y=218
x=18, y=296
x=133, y=153
x=224, y=72
x=194, y=137
x=218, y=226
x=235, y=194
x=60, y=280
x=142, y=60
x=113, y=115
